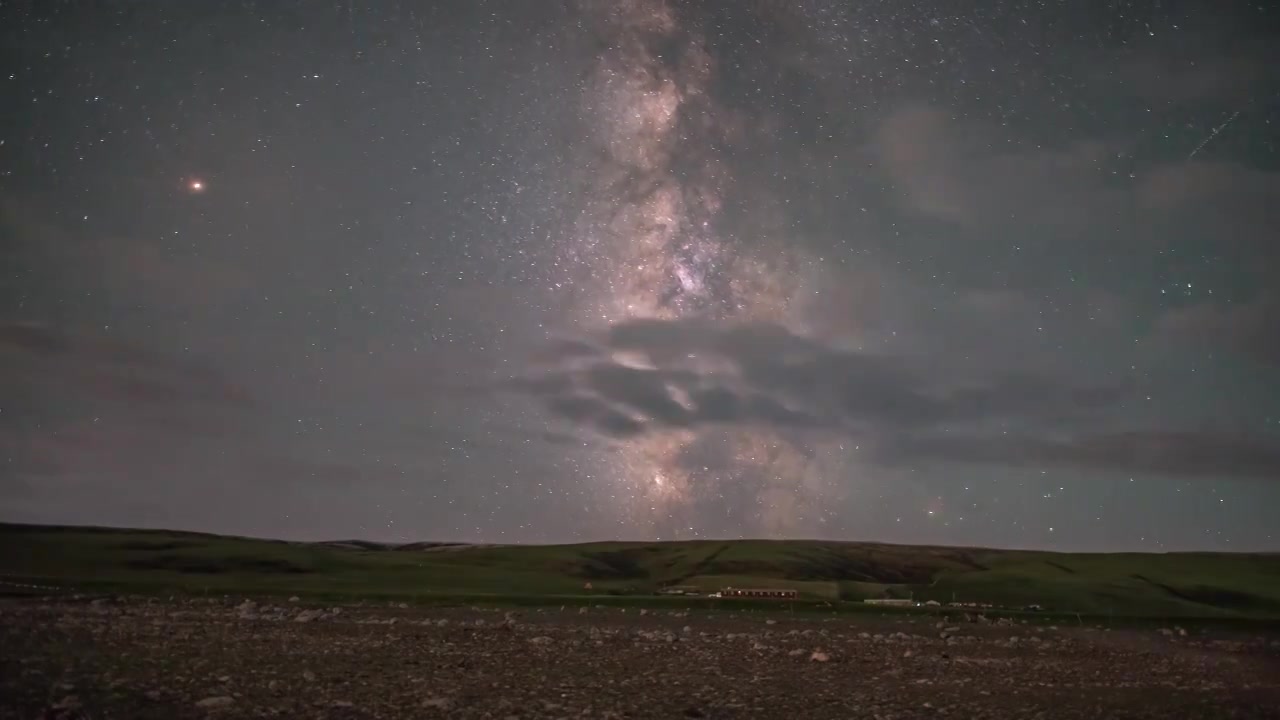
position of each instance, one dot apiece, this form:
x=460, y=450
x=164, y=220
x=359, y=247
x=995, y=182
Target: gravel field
x=228, y=658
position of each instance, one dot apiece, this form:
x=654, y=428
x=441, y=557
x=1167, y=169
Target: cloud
x=947, y=169
x=95, y=367
x=1079, y=197
x=647, y=375
x=653, y=376
x=1250, y=328
x=78, y=401
x=1165, y=453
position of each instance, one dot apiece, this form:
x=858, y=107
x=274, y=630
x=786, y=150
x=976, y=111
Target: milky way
x=651, y=244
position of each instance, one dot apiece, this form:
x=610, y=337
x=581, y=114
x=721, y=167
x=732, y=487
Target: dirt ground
x=227, y=658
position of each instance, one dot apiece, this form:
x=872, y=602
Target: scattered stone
x=294, y=598
x=426, y=659
x=438, y=703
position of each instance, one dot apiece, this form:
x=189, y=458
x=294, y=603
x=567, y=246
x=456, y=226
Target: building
x=773, y=593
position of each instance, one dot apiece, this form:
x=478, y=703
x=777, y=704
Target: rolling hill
x=1122, y=584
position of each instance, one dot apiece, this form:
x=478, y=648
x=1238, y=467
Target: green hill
x=1126, y=584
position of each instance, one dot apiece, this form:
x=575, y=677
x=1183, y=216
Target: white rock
x=219, y=701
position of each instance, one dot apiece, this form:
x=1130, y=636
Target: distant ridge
x=1185, y=584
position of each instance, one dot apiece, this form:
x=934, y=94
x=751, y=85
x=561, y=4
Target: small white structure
x=896, y=602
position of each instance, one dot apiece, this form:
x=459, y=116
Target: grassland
x=828, y=574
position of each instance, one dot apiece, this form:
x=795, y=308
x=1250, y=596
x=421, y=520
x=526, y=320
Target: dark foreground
x=119, y=658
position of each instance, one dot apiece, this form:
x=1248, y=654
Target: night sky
x=983, y=273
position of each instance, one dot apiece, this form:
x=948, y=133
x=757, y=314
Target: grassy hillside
x=1176, y=584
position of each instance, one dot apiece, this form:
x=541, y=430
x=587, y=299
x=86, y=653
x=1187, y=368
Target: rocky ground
x=226, y=658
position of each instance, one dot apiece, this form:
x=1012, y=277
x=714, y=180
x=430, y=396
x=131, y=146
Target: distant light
x=196, y=186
